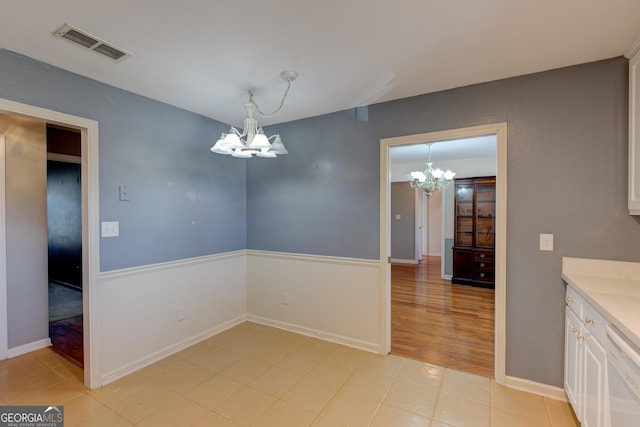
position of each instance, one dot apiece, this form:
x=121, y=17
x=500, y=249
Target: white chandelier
x=252, y=140
x=430, y=180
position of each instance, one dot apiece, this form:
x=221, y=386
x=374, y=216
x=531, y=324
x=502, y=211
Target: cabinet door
x=463, y=264
x=594, y=383
x=485, y=215
x=464, y=215
x=573, y=361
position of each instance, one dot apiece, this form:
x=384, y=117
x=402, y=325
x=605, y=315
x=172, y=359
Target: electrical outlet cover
x=110, y=229
x=546, y=242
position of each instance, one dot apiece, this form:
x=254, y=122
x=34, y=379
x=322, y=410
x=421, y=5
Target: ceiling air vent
x=90, y=42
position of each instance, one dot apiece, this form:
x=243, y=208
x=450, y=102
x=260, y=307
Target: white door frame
x=419, y=225
x=425, y=224
x=500, y=130
x=90, y=231
x=3, y=255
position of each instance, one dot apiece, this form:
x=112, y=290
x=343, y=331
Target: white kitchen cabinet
x=585, y=361
x=595, y=365
x=595, y=368
x=634, y=129
x=573, y=361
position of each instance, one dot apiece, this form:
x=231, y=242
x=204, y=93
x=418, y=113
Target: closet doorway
x=19, y=335
x=64, y=225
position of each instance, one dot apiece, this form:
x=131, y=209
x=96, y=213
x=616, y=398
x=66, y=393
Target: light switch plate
x=398, y=216
x=546, y=242
x=110, y=229
x=123, y=191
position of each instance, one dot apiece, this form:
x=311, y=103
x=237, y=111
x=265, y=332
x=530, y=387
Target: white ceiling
x=204, y=55
x=467, y=148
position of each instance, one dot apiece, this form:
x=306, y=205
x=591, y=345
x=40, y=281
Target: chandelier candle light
x=430, y=180
x=252, y=140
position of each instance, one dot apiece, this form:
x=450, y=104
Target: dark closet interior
x=64, y=223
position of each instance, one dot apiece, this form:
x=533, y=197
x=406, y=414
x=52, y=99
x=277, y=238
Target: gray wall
x=26, y=230
x=449, y=214
x=403, y=230
x=567, y=173
x=447, y=256
x=323, y=197
x=185, y=201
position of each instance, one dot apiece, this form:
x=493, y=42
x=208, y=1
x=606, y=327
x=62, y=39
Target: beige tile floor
x=258, y=376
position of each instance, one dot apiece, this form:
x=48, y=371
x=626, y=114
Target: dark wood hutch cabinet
x=474, y=232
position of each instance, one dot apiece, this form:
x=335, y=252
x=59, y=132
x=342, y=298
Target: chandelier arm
x=286, y=92
x=433, y=179
x=237, y=132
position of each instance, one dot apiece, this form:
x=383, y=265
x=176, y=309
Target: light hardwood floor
x=436, y=322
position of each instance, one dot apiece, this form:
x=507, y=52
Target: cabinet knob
x=482, y=264
x=482, y=255
x=589, y=320
x=574, y=330
x=569, y=300
x=580, y=337
x=481, y=274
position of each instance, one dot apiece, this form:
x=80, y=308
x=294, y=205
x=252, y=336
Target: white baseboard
x=447, y=277
x=540, y=389
x=404, y=261
x=325, y=336
x=26, y=348
x=159, y=355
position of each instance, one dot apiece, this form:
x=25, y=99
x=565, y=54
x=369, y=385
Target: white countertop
x=611, y=287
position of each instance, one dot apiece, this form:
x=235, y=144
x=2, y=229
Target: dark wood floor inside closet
x=66, y=339
x=440, y=323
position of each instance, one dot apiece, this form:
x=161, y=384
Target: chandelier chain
x=284, y=97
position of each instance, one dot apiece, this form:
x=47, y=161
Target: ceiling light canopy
x=430, y=179
x=252, y=141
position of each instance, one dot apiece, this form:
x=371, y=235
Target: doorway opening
x=435, y=319
x=64, y=230
x=12, y=331
x=432, y=275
